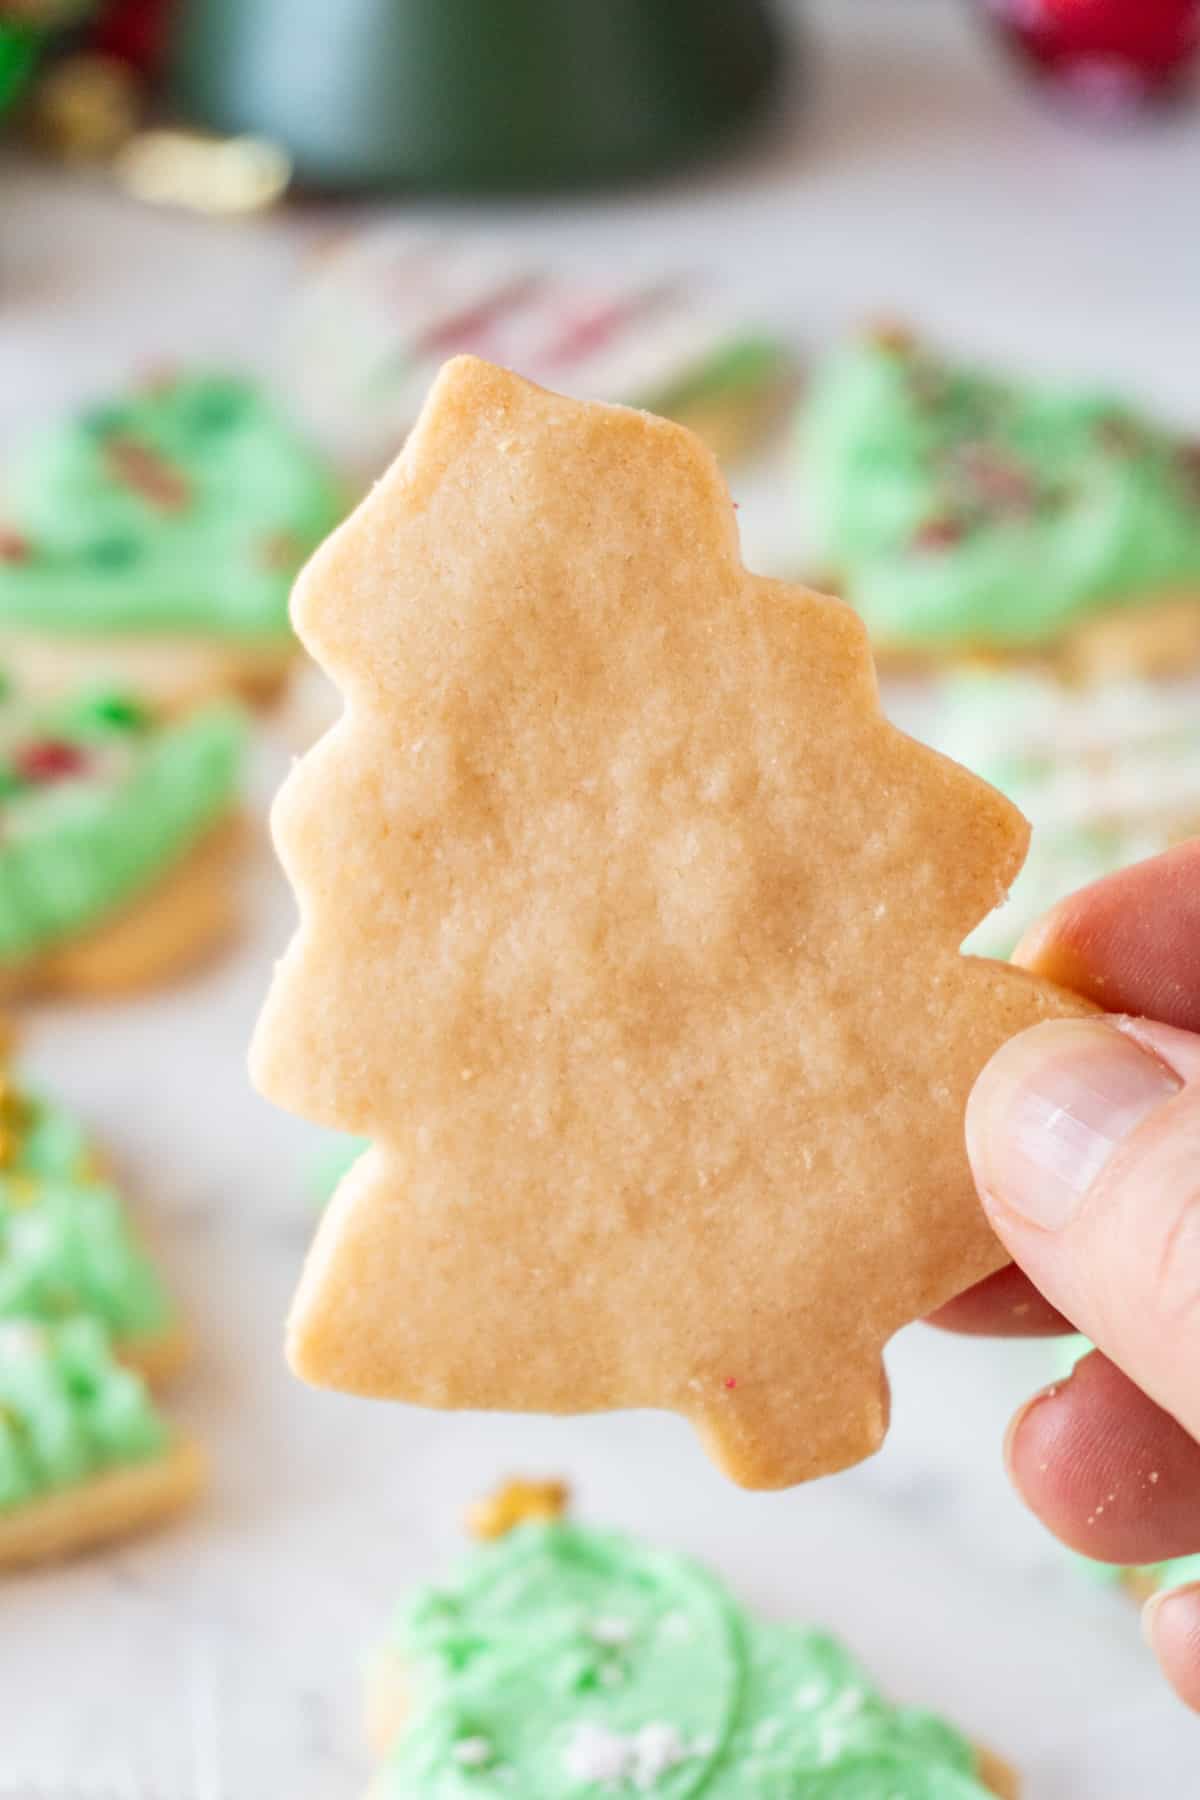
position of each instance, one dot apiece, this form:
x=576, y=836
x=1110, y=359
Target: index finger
x=1131, y=943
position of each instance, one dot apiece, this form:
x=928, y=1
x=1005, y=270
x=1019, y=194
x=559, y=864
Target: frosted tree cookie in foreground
x=560, y=1660
x=116, y=835
x=966, y=513
x=153, y=539
x=84, y=1454
x=629, y=937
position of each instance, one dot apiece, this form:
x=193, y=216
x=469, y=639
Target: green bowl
x=471, y=95
x=19, y=46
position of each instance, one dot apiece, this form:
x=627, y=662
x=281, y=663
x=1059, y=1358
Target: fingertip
x=1029, y=1445
x=1038, y=944
x=1130, y=942
x=1171, y=1625
x=1005, y=1304
x=1108, y=1472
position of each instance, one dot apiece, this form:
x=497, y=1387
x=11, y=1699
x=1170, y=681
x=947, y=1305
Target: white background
x=220, y=1661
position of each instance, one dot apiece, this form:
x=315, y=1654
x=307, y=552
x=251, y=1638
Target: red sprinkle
x=938, y=534
x=13, y=547
x=731, y=1381
x=139, y=467
x=51, y=759
x=282, y=551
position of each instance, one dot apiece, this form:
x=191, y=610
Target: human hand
x=1084, y=1137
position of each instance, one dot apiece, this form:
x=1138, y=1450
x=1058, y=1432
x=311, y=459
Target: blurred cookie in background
x=967, y=514
x=152, y=541
x=117, y=832
x=68, y=1242
x=85, y=1454
x=382, y=309
x=1107, y=775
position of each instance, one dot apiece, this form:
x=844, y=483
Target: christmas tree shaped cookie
x=561, y=1660
x=964, y=512
x=115, y=837
x=84, y=1454
x=67, y=1243
x=154, y=539
x=629, y=937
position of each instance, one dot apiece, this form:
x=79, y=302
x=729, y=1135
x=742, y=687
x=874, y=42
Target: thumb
x=1084, y=1138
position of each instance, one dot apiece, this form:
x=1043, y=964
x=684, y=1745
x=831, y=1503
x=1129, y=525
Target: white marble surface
x=220, y=1661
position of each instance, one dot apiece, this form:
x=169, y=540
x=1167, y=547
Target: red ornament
x=134, y=31
x=14, y=546
x=50, y=759
x=1110, y=56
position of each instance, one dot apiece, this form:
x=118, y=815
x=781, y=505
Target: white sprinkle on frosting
x=813, y=1693
x=473, y=1752
x=612, y=1632
x=640, y=1758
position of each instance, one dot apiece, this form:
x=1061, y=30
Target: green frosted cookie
x=184, y=509
x=562, y=1661
x=68, y=1409
x=39, y=1140
x=66, y=1244
x=957, y=509
x=98, y=800
x=66, y=1248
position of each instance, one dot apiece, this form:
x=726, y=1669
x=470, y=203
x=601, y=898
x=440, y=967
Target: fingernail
x=1049, y=1110
x=1153, y=1610
x=1022, y=1413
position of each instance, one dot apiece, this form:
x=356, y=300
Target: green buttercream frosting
x=98, y=800
x=568, y=1662
x=185, y=508
x=68, y=1410
x=335, y=1159
x=66, y=1247
x=65, y=1241
x=39, y=1139
x=957, y=508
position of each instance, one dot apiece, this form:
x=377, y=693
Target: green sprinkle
x=117, y=551
x=115, y=712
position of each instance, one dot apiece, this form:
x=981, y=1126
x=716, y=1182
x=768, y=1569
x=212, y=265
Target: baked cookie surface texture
x=629, y=937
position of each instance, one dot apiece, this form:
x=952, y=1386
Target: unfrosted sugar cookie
x=152, y=541
x=962, y=512
x=565, y=1661
x=630, y=939
x=84, y=1454
x=116, y=831
x=67, y=1242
